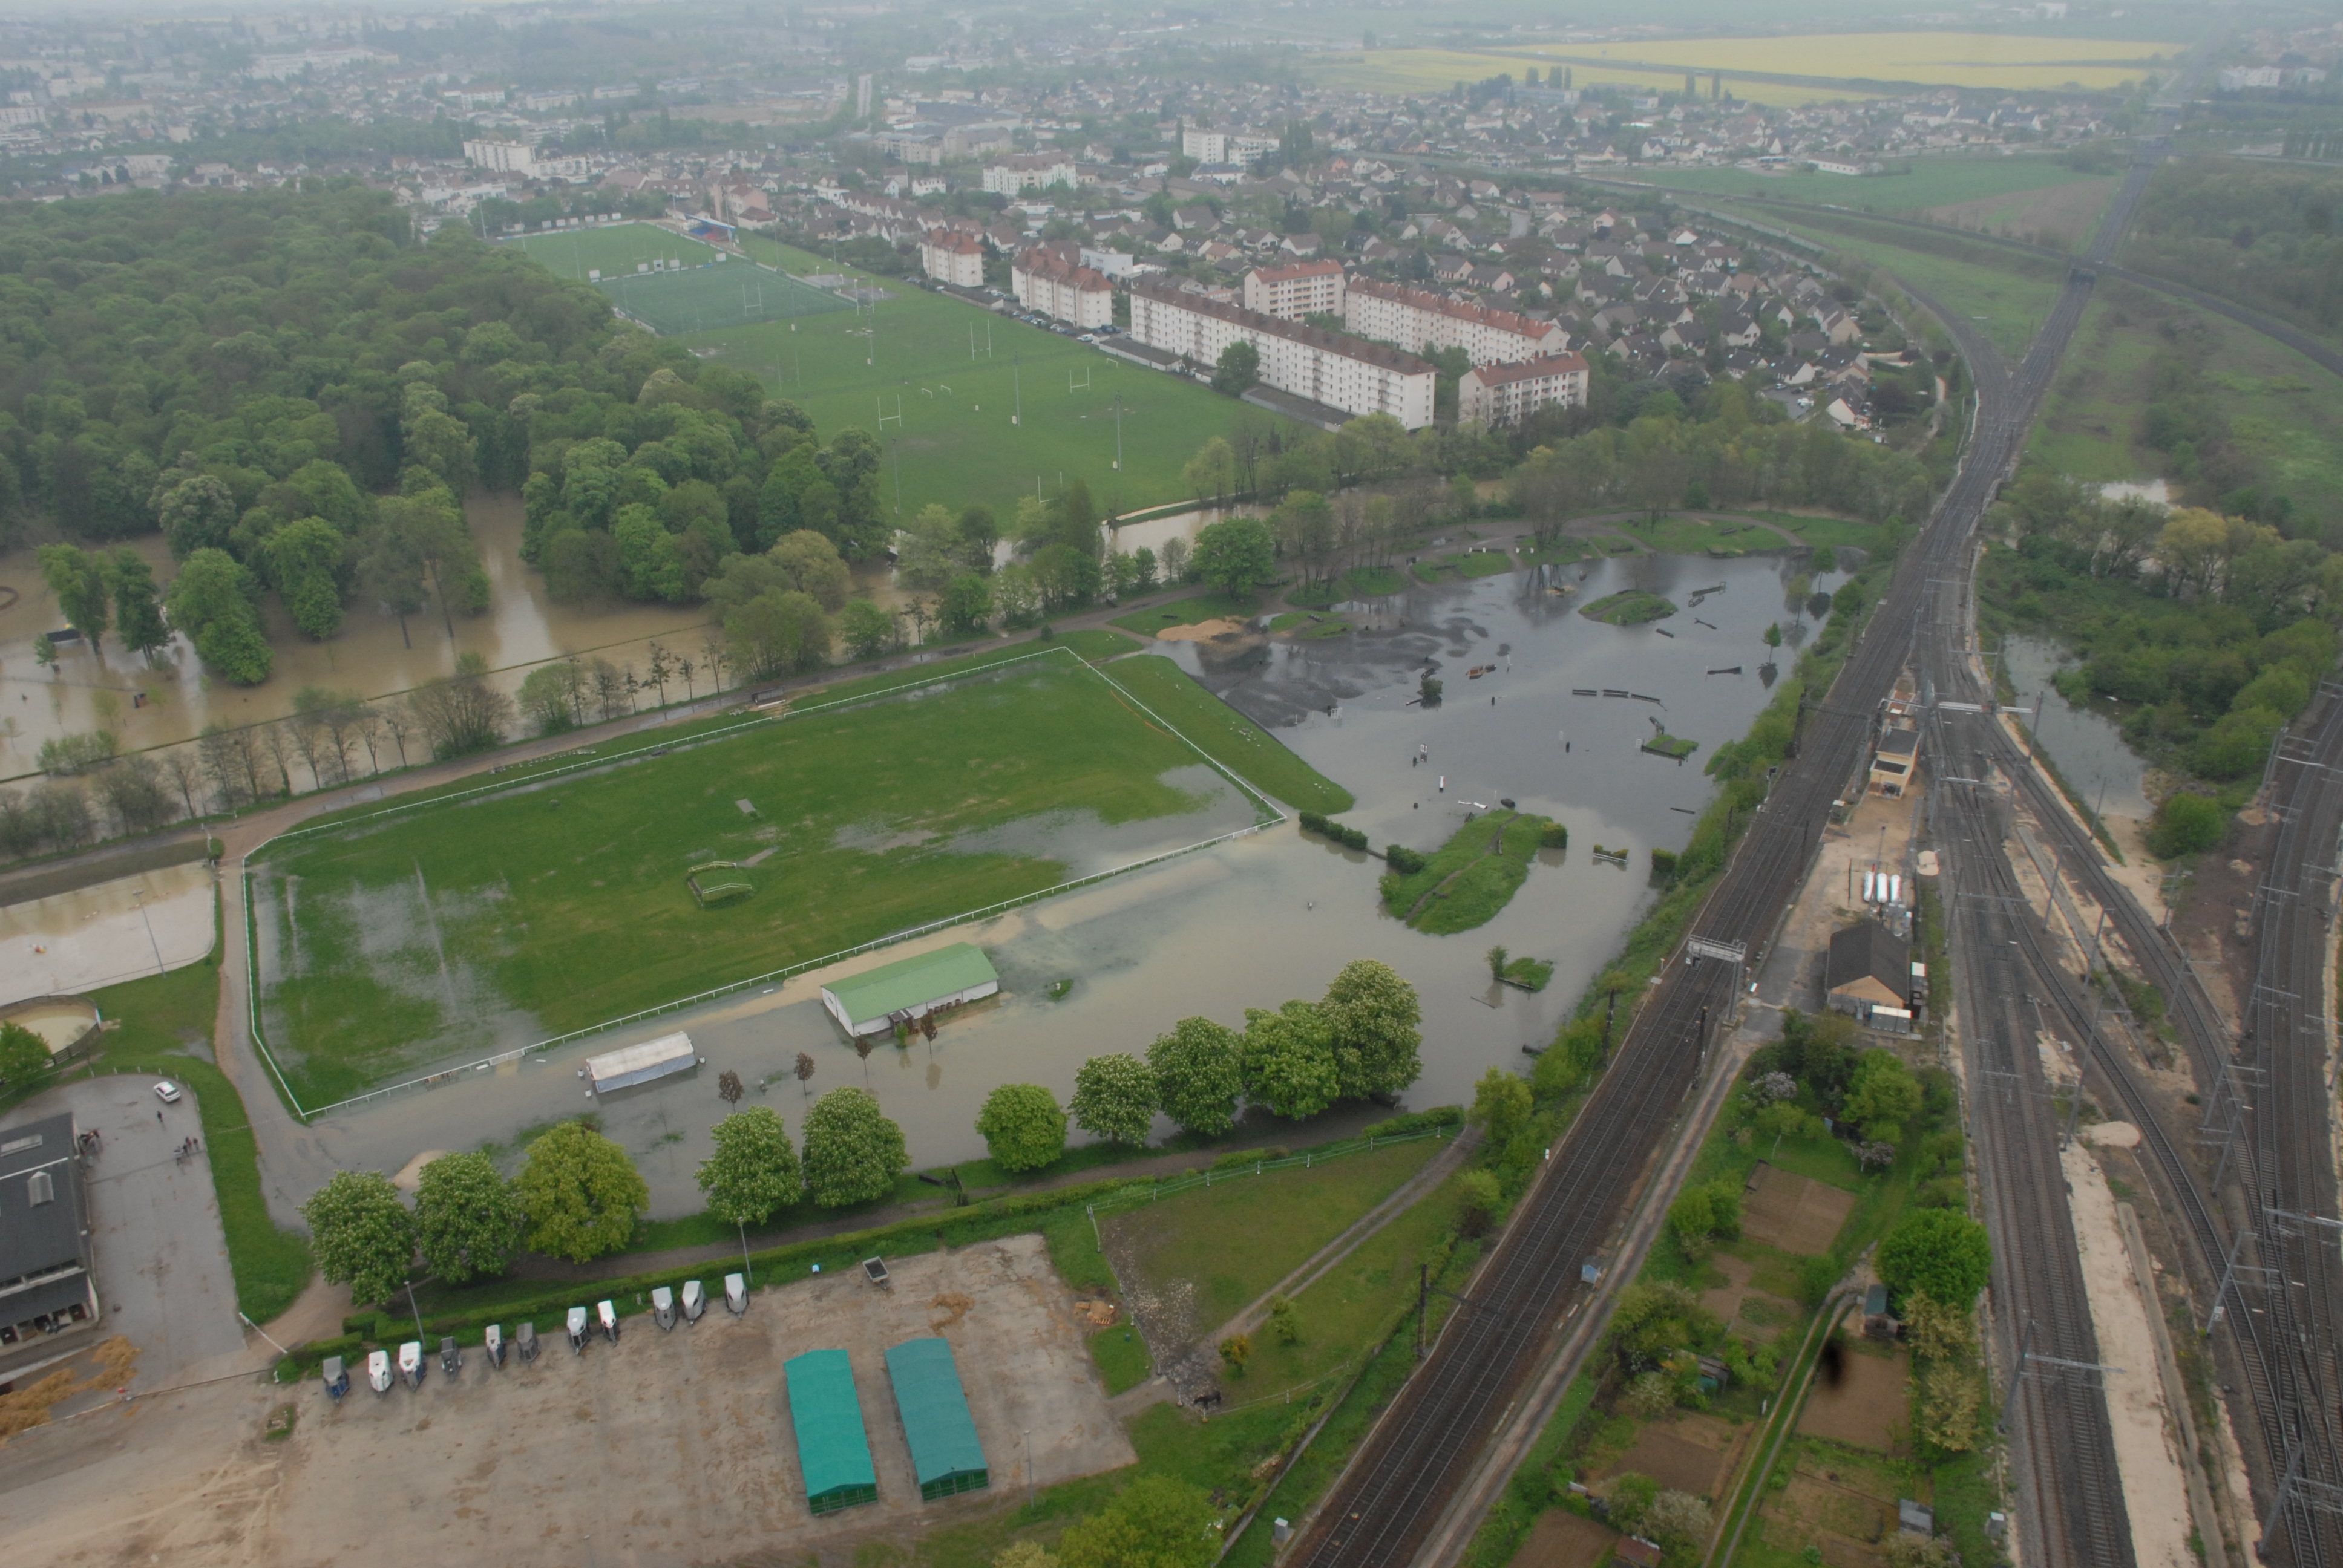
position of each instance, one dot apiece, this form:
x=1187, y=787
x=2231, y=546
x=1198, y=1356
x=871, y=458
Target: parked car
x=168, y=1092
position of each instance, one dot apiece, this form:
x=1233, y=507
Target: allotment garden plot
x=385, y=945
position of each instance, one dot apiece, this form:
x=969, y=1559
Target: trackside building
x=909, y=989
x=833, y=1449
x=945, y=1456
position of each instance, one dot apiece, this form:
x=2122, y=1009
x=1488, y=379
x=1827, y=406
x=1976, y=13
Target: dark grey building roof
x=1869, y=949
x=44, y=1252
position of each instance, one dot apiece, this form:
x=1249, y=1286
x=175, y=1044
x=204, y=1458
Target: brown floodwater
x=1254, y=922
x=148, y=707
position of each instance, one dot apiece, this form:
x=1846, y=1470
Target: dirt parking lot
x=666, y=1448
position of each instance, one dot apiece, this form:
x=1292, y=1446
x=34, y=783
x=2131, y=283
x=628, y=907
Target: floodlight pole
x=745, y=1274
x=1017, y=387
x=1118, y=431
x=416, y=1309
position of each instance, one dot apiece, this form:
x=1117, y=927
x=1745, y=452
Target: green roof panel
x=834, y=1450
x=914, y=981
x=945, y=1453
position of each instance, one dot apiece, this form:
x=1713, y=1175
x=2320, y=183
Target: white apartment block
x=1328, y=367
x=503, y=157
x=952, y=257
x=1291, y=293
x=1506, y=394
x=1420, y=319
x=1022, y=172
x=1225, y=146
x=1045, y=281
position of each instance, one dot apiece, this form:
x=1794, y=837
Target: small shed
x=945, y=1456
x=633, y=1064
x=909, y=989
x=1870, y=966
x=833, y=1449
x=1635, y=1552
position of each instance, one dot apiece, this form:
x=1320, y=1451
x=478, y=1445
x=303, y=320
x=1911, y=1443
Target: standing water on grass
x=2086, y=744
x=1262, y=918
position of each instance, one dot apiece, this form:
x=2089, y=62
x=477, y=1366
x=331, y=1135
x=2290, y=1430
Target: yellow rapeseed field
x=1948, y=59
x=1426, y=71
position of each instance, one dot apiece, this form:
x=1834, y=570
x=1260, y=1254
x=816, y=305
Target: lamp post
x=140, y=896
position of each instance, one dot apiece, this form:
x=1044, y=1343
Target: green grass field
x=1932, y=182
x=926, y=355
x=614, y=251
x=1469, y=878
x=1234, y=741
x=2008, y=292
x=1629, y=607
x=497, y=919
x=1236, y=1239
x=1193, y=610
x=705, y=298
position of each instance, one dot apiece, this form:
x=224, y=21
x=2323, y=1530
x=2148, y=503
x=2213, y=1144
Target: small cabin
x=1869, y=977
x=908, y=991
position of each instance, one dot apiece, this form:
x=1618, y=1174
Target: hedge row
x=1351, y=838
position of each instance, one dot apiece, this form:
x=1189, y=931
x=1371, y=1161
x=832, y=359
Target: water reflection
x=1274, y=916
x=2086, y=744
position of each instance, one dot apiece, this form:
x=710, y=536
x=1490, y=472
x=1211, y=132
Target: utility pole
x=1016, y=388
x=1118, y=430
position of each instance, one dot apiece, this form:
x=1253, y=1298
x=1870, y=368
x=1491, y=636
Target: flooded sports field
x=1260, y=918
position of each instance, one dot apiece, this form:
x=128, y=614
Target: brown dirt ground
x=1690, y=1453
x=1864, y=1406
x=2059, y=215
x=1567, y=1540
x=1729, y=1301
x=1796, y=1213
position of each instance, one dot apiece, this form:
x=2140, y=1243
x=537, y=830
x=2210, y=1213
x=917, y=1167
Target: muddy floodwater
x=1263, y=918
x=172, y=700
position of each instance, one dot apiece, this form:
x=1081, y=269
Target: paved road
x=163, y=1277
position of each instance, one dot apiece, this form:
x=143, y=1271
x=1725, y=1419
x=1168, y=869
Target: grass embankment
x=1093, y=646
x=1228, y=736
x=1231, y=1241
x=1467, y=565
x=1629, y=607
x=1836, y=532
x=166, y=1031
x=519, y=898
x=2008, y=292
x=1468, y=880
x=1530, y=974
x=1193, y=610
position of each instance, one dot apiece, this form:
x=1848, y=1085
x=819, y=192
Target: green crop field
x=617, y=249
x=959, y=375
x=1931, y=182
x=559, y=903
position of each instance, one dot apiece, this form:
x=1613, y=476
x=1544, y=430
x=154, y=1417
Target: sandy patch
x=1202, y=632
x=1795, y=1213
x=2113, y=1135
x=410, y=1175
x=2154, y=1485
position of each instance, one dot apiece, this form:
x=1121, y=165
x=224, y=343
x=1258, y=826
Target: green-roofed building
x=834, y=1450
x=908, y=989
x=945, y=1453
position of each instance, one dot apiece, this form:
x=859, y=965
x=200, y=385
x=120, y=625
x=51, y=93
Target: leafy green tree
x=853, y=1153
x=196, y=514
x=306, y=559
x=1023, y=1126
x=865, y=629
x=137, y=603
x=1199, y=1068
x=810, y=563
x=24, y=1055
x=361, y=1234
x=550, y=697
x=215, y=603
x=1881, y=1096
x=1236, y=555
x=1289, y=1065
x=1114, y=1099
x=468, y=1218
x=967, y=603
x=1940, y=1252
x=1156, y=1522
x=650, y=558
x=78, y=579
x=2186, y=823
x=581, y=1194
x=1478, y=1199
x=1238, y=369
x=1375, y=1024
x=753, y=1174
x=1501, y=1107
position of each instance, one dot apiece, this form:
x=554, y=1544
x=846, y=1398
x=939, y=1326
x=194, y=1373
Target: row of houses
x=1333, y=369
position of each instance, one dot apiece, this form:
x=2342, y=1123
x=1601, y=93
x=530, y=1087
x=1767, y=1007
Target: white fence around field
x=1269, y=814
